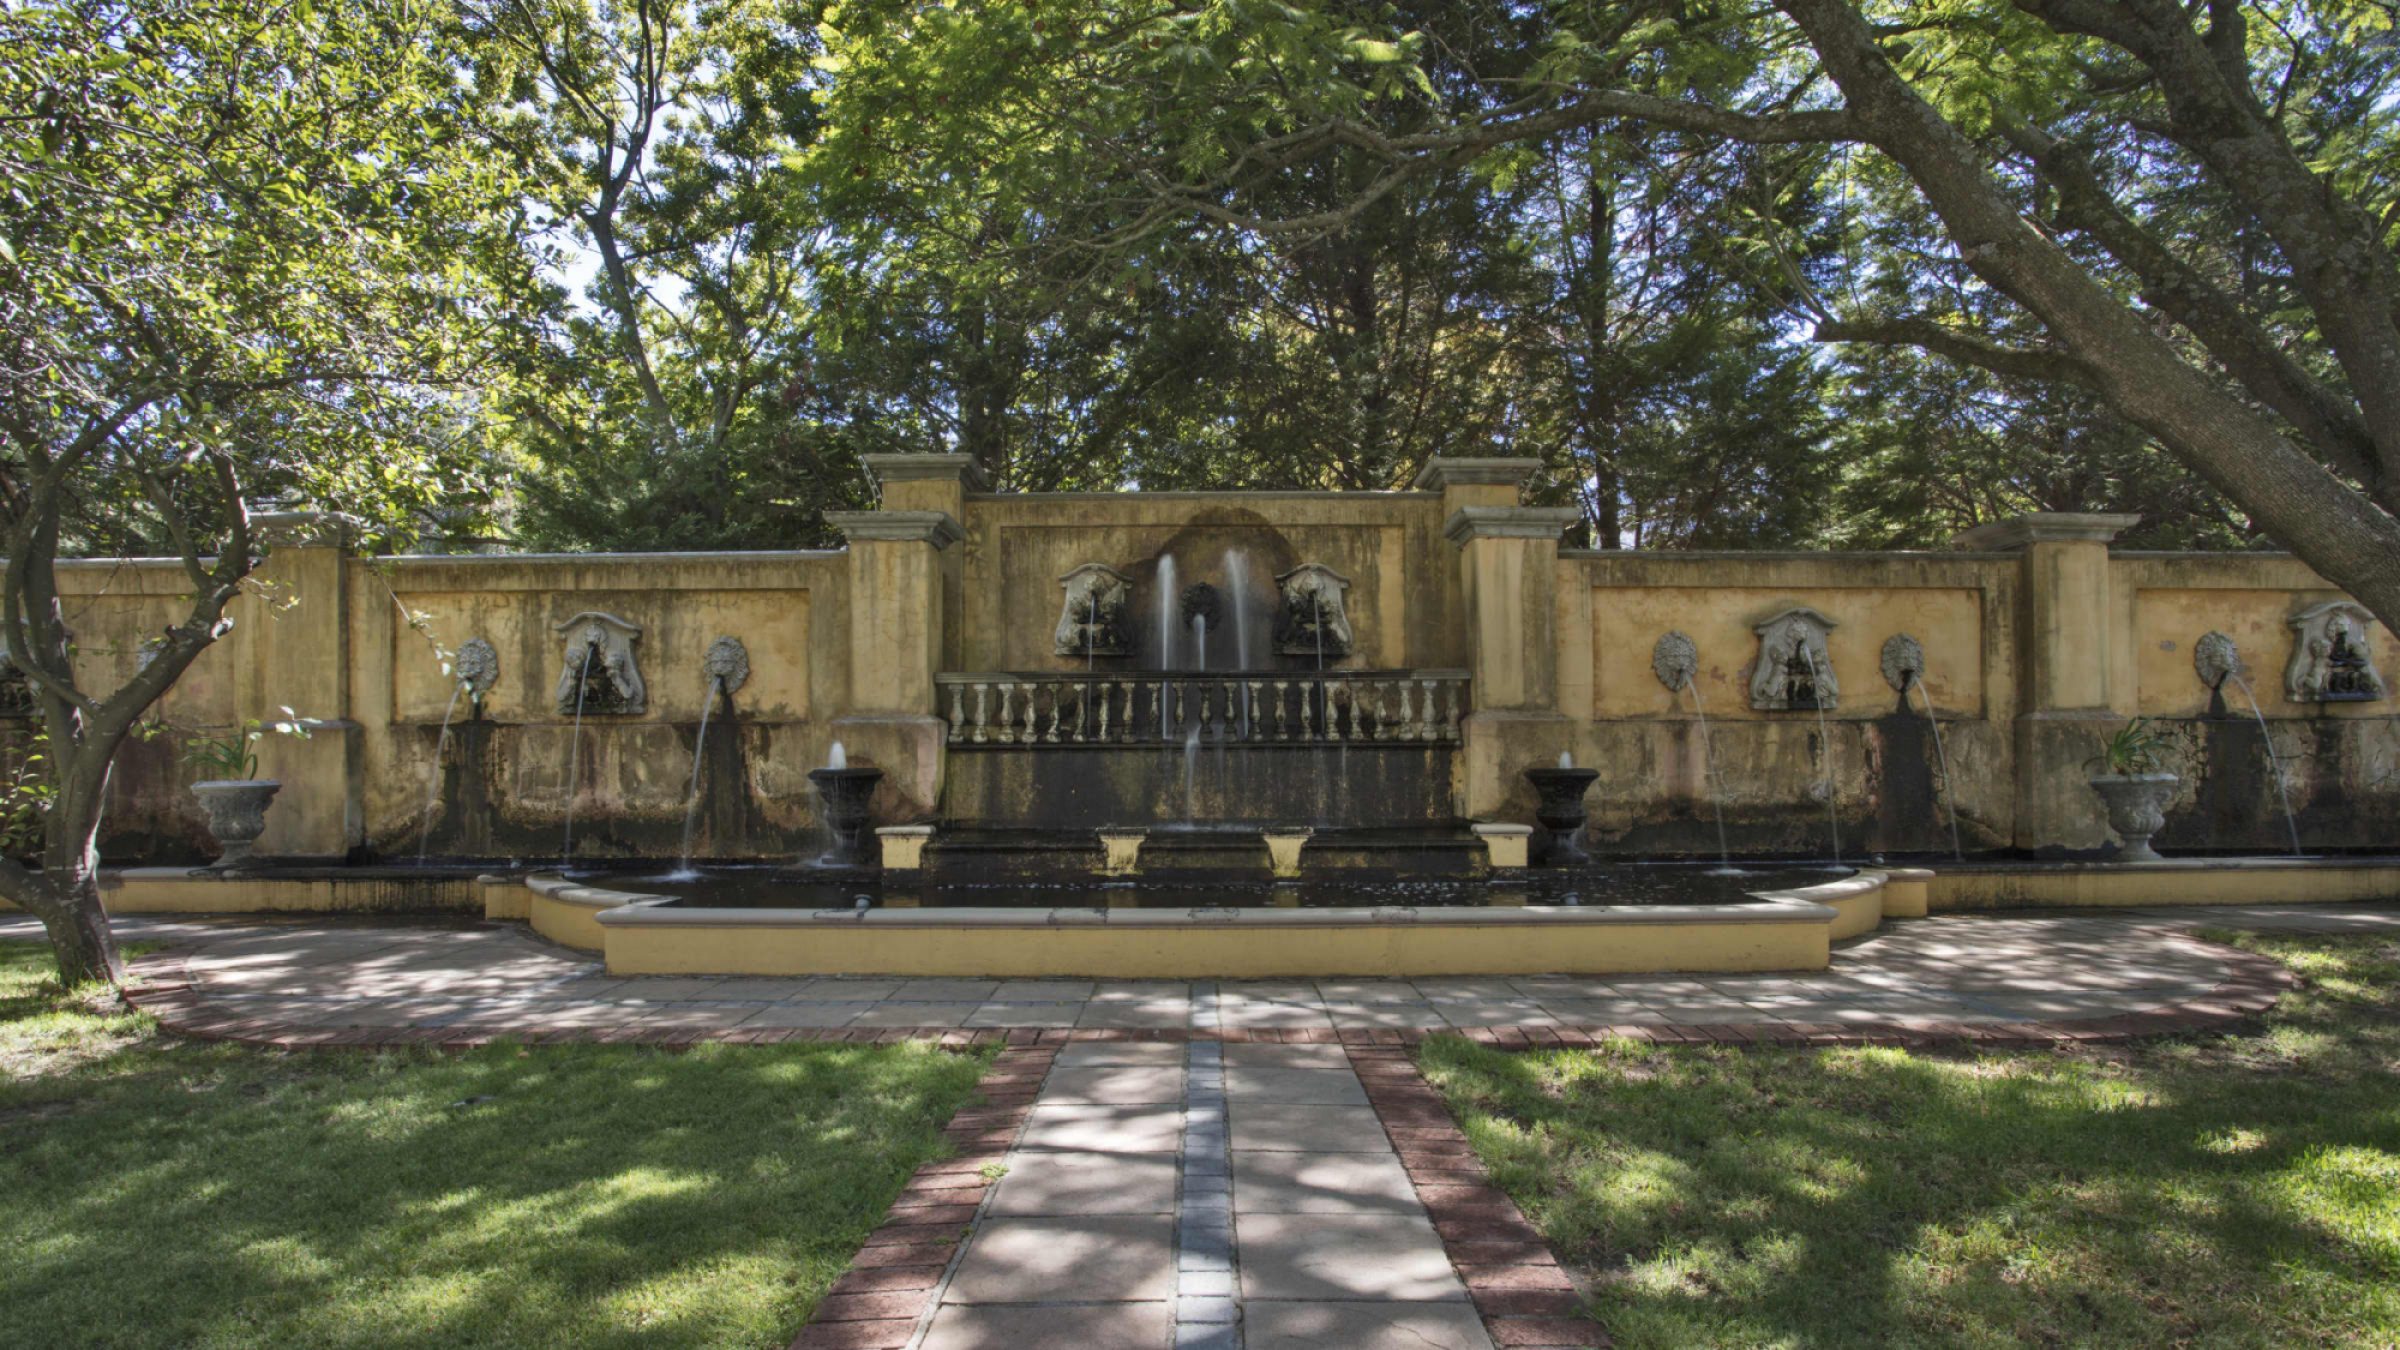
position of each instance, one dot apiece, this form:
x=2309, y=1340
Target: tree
x=2037, y=136
x=238, y=248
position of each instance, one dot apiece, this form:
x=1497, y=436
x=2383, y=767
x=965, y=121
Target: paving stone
x=1295, y=1087
x=806, y=1015
x=1084, y=1183
x=1080, y=1259
x=1025, y=1015
x=1307, y=1129
x=1277, y=1325
x=916, y=1015
x=1254, y=1056
x=1114, y=1085
x=1133, y=1326
x=1104, y=1129
x=1343, y=1256
x=1322, y=1183
x=1088, y=1054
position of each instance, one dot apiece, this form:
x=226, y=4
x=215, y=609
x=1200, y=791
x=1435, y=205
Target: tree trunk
x=81, y=940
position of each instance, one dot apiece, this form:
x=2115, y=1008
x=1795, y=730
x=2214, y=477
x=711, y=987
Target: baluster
x=1058, y=700
x=1105, y=687
x=1458, y=708
x=1345, y=720
x=1250, y=690
x=958, y=712
x=1208, y=709
x=1408, y=723
x=978, y=724
x=1433, y=726
x=1030, y=735
x=1133, y=691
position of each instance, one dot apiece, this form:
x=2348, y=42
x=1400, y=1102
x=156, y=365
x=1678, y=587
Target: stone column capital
x=1468, y=524
x=1444, y=471
x=913, y=467
x=938, y=528
x=2045, y=527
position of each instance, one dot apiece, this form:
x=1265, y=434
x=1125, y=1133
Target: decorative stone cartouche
x=1794, y=673
x=476, y=667
x=601, y=677
x=1316, y=613
x=1091, y=615
x=2332, y=659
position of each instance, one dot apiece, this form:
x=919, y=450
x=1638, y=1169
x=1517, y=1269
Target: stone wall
x=2036, y=641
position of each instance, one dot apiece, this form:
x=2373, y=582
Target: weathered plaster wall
x=1772, y=767
x=2036, y=647
x=506, y=780
x=1402, y=597
x=2340, y=761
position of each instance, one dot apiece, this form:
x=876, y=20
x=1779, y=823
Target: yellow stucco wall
x=1389, y=544
x=1230, y=953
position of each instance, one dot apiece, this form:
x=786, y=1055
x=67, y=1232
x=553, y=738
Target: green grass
x=155, y=1191
x=2235, y=1190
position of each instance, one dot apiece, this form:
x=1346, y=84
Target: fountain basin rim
x=647, y=909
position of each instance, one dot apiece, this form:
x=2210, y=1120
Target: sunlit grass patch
x=155, y=1191
x=2225, y=1190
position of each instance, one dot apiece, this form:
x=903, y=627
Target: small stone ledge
x=1468, y=524
x=938, y=528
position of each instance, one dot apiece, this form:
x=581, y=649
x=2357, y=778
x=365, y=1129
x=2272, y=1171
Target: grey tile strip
x=1207, y=1311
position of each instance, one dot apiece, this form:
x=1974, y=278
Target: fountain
x=1561, y=810
x=843, y=794
x=583, y=682
x=2215, y=659
x=1675, y=660
x=1904, y=669
x=1833, y=805
x=727, y=668
x=473, y=669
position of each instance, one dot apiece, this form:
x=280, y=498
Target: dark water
x=1626, y=884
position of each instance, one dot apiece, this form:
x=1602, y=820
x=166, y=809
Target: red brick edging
x=1523, y=1295
x=164, y=989
x=891, y=1283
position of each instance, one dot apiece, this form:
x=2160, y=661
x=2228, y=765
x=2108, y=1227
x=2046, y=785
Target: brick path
x=2008, y=978
x=1204, y=1196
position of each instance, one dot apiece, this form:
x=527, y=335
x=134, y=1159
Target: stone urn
x=1561, y=811
x=237, y=814
x=843, y=795
x=2137, y=809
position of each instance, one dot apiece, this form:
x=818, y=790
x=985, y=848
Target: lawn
x=2228, y=1190
x=155, y=1191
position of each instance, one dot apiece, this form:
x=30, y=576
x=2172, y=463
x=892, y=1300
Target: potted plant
x=2133, y=788
x=230, y=790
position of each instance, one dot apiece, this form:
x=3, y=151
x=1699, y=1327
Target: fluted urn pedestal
x=1561, y=812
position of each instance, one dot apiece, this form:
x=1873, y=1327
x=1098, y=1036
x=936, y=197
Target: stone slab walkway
x=2030, y=977
x=1204, y=1196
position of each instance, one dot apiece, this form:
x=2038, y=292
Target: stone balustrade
x=1247, y=707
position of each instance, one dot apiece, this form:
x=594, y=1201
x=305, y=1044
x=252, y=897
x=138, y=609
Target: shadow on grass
x=2242, y=1190
x=172, y=1193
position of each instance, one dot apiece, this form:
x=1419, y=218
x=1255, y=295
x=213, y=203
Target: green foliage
x=559, y=1196
x=260, y=256
x=2133, y=748
x=26, y=796
x=2232, y=1190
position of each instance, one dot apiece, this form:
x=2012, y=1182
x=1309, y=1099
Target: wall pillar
x=1508, y=580
x=2068, y=699
x=897, y=595
x=291, y=648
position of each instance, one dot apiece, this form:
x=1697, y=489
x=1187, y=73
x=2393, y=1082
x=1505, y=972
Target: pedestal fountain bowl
x=1561, y=811
x=844, y=794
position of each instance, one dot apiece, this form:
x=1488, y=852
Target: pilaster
x=1508, y=581
x=896, y=604
x=2067, y=642
x=291, y=646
